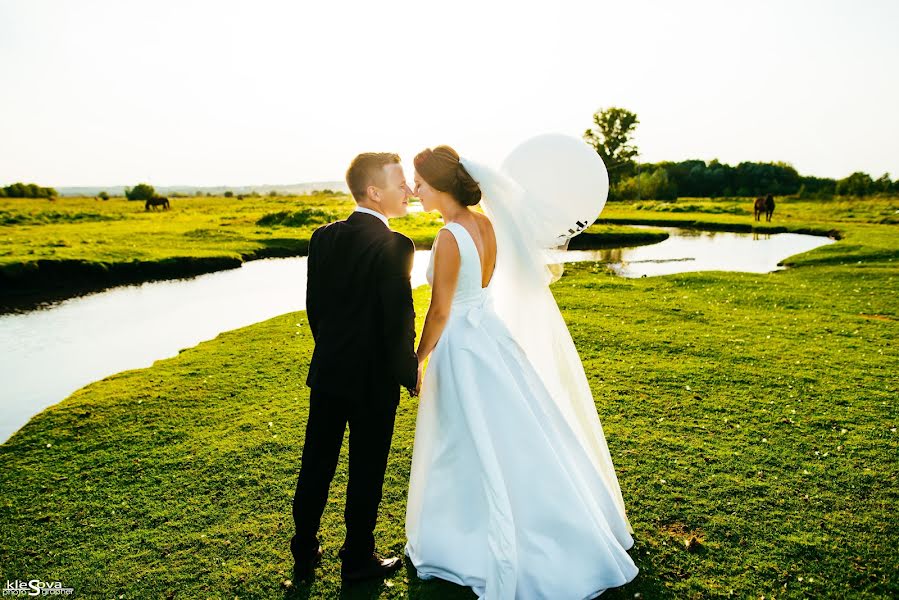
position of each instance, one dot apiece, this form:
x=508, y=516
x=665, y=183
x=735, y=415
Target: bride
x=512, y=490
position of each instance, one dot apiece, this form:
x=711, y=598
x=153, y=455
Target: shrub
x=28, y=190
x=654, y=185
x=300, y=218
x=142, y=191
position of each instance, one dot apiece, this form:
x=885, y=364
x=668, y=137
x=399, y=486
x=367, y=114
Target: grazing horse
x=759, y=207
x=157, y=201
x=769, y=207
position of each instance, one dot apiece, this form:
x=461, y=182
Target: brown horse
x=759, y=207
x=157, y=201
x=769, y=207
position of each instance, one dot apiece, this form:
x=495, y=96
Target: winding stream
x=51, y=352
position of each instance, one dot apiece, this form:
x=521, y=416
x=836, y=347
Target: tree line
x=611, y=137
x=27, y=190
x=140, y=192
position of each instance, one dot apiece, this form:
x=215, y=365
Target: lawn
x=755, y=413
x=74, y=244
x=53, y=249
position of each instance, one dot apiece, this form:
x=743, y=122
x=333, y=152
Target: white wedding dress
x=504, y=495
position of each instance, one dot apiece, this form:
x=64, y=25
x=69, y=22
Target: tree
x=142, y=191
x=611, y=138
x=656, y=185
x=103, y=196
x=883, y=185
x=229, y=194
x=647, y=185
x=29, y=190
x=857, y=184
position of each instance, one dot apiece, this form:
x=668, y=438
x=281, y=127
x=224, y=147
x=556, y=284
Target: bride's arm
x=446, y=274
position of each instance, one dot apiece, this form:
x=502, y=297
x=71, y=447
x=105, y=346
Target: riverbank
x=72, y=246
x=791, y=215
x=865, y=228
x=755, y=413
x=51, y=250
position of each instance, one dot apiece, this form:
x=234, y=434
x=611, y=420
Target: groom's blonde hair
x=368, y=169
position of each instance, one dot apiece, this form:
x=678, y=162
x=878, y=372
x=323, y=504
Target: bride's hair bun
x=442, y=170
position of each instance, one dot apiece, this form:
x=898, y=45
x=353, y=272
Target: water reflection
x=689, y=250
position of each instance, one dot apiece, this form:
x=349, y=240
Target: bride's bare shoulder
x=484, y=225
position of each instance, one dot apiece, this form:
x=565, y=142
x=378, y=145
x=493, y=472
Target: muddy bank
x=26, y=286
x=600, y=241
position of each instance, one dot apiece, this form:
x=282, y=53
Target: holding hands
x=417, y=390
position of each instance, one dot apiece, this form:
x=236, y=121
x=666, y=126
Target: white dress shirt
x=374, y=213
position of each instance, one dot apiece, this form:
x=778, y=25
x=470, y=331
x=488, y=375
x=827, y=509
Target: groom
x=359, y=305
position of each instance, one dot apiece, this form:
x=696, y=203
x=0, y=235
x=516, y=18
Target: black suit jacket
x=359, y=304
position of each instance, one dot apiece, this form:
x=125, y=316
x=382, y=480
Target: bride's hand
x=418, y=383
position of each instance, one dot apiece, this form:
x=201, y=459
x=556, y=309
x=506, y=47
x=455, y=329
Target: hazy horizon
x=198, y=93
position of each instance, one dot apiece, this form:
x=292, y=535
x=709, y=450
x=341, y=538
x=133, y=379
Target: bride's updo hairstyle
x=442, y=170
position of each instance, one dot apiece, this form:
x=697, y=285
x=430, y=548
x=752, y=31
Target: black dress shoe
x=303, y=569
x=374, y=566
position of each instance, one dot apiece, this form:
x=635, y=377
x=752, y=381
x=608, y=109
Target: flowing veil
x=524, y=269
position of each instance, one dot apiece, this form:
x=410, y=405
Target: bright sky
x=106, y=92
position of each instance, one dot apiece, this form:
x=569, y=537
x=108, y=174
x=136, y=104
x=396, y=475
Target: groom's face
x=394, y=195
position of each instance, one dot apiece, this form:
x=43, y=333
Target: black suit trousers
x=371, y=421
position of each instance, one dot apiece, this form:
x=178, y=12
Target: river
x=51, y=352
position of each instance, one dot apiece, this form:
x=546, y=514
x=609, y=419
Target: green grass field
x=53, y=249
x=118, y=230
x=754, y=412
x=78, y=244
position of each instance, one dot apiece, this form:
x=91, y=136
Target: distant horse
x=157, y=201
x=769, y=207
x=759, y=207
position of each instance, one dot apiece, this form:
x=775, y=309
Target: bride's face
x=424, y=192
